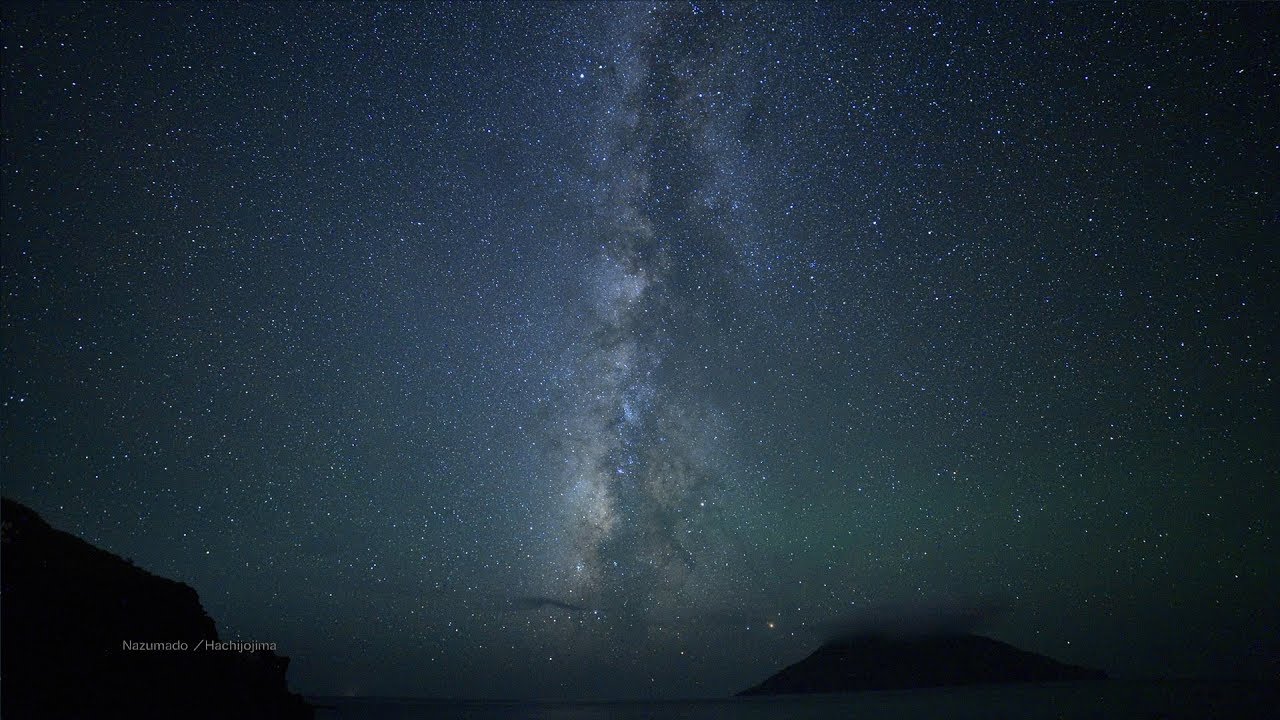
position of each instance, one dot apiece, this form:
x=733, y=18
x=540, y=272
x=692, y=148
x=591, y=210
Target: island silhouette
x=906, y=662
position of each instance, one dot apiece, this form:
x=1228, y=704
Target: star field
x=610, y=349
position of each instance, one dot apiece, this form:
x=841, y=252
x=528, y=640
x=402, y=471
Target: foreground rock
x=902, y=663
x=69, y=608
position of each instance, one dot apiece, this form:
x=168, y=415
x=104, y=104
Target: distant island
x=88, y=634
x=877, y=662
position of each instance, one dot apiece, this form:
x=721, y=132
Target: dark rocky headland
x=68, y=608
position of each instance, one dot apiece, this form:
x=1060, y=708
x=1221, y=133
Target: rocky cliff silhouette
x=68, y=609
x=877, y=662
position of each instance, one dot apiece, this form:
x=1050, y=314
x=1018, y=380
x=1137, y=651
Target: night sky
x=624, y=350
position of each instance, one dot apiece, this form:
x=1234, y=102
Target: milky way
x=641, y=450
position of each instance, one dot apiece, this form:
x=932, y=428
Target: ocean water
x=1059, y=701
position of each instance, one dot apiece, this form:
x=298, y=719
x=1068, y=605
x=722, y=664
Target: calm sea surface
x=1119, y=700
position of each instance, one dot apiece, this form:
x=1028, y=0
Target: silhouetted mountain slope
x=69, y=608
x=899, y=663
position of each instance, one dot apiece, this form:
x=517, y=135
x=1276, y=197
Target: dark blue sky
x=618, y=350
